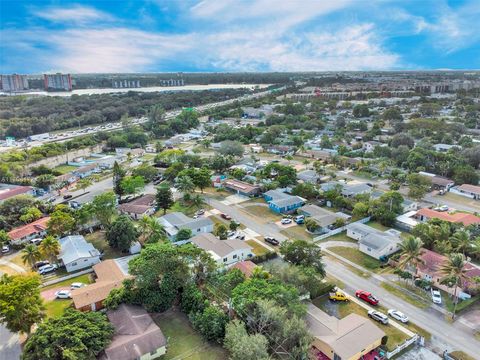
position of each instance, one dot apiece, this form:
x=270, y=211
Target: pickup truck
x=337, y=295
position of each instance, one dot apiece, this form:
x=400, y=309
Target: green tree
x=118, y=175
x=164, y=198
x=305, y=190
x=104, y=208
x=311, y=225
x=220, y=230
x=361, y=110
x=360, y=210
x=202, y=178
x=132, y=184
x=243, y=346
x=461, y=241
x=386, y=208
x=4, y=237
x=84, y=183
x=20, y=303
x=418, y=186
x=60, y=223
x=410, y=253
x=44, y=181
x=147, y=172
x=233, y=226
x=30, y=215
x=303, y=253
x=183, y=234
x=49, y=248
x=122, y=233
x=454, y=272
x=185, y=184
x=231, y=148
x=210, y=323
x=30, y=255
x=151, y=231
x=74, y=335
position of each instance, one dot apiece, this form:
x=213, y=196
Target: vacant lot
x=183, y=341
x=65, y=169
x=262, y=213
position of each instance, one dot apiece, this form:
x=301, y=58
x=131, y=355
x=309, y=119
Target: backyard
x=183, y=341
x=97, y=239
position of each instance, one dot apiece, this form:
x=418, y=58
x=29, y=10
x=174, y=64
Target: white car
x=63, y=294
x=47, y=269
x=398, y=315
x=76, y=285
x=286, y=221
x=378, y=316
x=5, y=249
x=436, y=297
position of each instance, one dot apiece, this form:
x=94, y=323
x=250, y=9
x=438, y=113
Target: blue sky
x=233, y=35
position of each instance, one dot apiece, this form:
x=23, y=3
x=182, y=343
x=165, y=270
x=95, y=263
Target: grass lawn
x=460, y=355
x=342, y=309
x=4, y=269
x=65, y=169
x=55, y=308
x=377, y=225
x=262, y=213
x=297, y=232
x=340, y=237
x=357, y=257
x=405, y=296
x=17, y=259
x=462, y=304
x=85, y=278
x=353, y=269
x=257, y=248
x=97, y=239
x=183, y=341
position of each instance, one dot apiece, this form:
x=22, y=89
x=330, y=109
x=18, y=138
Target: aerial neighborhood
x=314, y=216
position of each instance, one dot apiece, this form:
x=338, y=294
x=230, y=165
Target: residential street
x=443, y=200
x=9, y=345
x=459, y=337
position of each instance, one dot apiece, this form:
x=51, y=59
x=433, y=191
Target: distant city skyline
x=233, y=35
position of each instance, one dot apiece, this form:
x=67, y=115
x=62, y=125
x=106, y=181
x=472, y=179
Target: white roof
x=75, y=247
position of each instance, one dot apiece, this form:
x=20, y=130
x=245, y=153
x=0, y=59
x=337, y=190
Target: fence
x=406, y=344
x=341, y=229
x=57, y=280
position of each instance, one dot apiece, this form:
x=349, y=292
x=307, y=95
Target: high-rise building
x=15, y=82
x=58, y=82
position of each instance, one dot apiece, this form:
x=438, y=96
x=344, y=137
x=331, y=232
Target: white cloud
x=77, y=14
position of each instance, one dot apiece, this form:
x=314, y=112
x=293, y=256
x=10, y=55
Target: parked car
x=47, y=269
x=436, y=296
x=41, y=263
x=36, y=241
x=271, y=240
x=300, y=219
x=378, y=316
x=63, y=294
x=68, y=196
x=366, y=296
x=225, y=216
x=286, y=221
x=200, y=212
x=77, y=285
x=5, y=249
x=240, y=236
x=397, y=315
x=337, y=295
x=231, y=234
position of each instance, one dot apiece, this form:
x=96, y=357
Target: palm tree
x=461, y=241
x=185, y=184
x=197, y=201
x=49, y=248
x=151, y=230
x=411, y=251
x=30, y=255
x=475, y=249
x=454, y=271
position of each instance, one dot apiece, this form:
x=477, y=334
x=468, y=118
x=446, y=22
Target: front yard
x=262, y=213
x=297, y=232
x=183, y=341
x=257, y=248
x=357, y=257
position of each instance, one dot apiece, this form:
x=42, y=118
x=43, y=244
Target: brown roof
x=30, y=229
x=135, y=334
x=469, y=188
x=240, y=185
x=14, y=191
x=138, y=206
x=109, y=276
x=246, y=267
x=465, y=219
x=441, y=181
x=348, y=336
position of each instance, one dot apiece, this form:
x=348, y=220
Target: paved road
x=9, y=345
x=456, y=335
x=431, y=198
x=236, y=213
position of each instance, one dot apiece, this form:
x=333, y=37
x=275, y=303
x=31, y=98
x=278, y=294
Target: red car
x=366, y=296
x=226, y=217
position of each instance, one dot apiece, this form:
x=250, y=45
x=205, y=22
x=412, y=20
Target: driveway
x=456, y=335
x=49, y=295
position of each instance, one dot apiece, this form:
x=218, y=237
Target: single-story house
x=109, y=275
x=438, y=182
x=140, y=207
x=426, y=214
x=76, y=253
x=323, y=154
x=445, y=147
x=308, y=176
x=8, y=191
x=136, y=336
x=35, y=229
x=175, y=221
x=241, y=187
x=375, y=243
x=324, y=218
x=407, y=221
x=86, y=170
x=283, y=203
x=224, y=252
x=467, y=190
x=354, y=189
x=348, y=339
x=280, y=149
x=430, y=269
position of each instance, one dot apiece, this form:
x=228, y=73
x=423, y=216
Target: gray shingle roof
x=222, y=248
x=76, y=247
